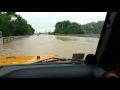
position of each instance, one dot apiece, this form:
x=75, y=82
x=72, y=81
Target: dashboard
x=52, y=70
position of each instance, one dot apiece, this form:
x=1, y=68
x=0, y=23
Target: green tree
x=13, y=27
x=74, y=29
x=93, y=27
x=66, y=27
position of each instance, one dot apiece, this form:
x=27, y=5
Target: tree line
x=67, y=27
x=12, y=24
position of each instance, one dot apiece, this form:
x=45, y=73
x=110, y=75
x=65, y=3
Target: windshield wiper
x=60, y=59
x=54, y=59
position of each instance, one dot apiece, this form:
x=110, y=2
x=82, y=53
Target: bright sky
x=45, y=21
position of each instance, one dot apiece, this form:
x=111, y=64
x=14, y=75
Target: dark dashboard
x=52, y=70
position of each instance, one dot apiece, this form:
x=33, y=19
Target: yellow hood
x=24, y=59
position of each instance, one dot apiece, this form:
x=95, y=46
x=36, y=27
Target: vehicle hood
x=24, y=59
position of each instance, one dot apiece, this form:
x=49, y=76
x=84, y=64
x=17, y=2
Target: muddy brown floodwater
x=63, y=46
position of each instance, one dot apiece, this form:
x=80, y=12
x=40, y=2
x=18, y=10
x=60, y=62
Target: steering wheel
x=110, y=74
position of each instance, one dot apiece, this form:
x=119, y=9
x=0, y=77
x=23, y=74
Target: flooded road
x=63, y=46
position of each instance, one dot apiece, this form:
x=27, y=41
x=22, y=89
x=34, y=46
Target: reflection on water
x=66, y=38
x=82, y=39
x=63, y=46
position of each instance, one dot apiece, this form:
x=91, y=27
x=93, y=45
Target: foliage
x=67, y=27
x=93, y=27
x=14, y=27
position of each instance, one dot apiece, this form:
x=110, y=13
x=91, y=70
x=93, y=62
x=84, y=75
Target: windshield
x=51, y=33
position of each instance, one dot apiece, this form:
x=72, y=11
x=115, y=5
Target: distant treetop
x=67, y=27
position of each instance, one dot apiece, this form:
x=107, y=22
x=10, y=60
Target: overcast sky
x=45, y=21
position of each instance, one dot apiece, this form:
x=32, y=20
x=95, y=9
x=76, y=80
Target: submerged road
x=63, y=46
